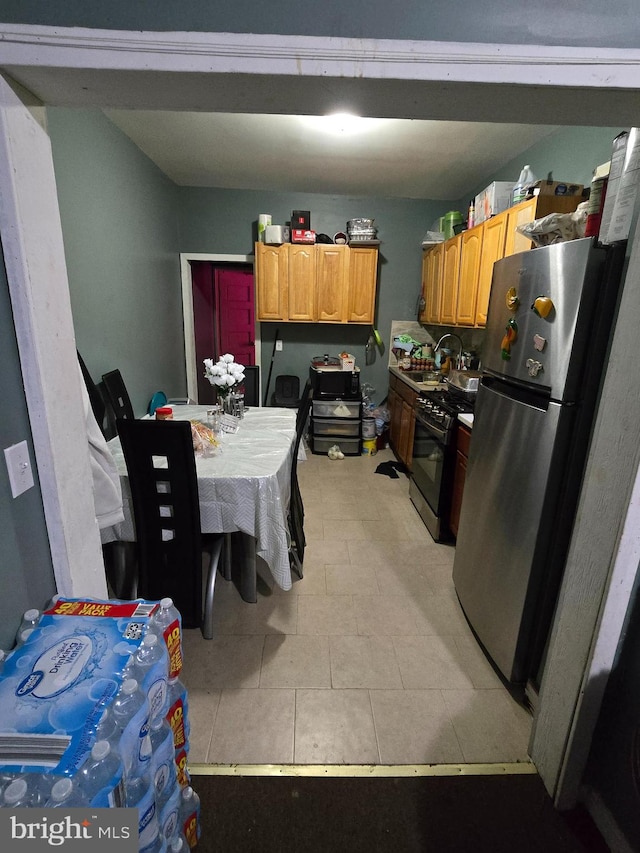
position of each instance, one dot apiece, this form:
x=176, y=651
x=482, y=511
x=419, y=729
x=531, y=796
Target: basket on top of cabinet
x=336, y=422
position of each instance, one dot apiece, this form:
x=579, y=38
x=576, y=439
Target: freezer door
x=506, y=524
x=548, y=352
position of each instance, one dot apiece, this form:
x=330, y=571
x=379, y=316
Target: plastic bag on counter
x=556, y=227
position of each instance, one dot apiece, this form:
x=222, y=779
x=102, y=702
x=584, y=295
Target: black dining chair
x=295, y=518
x=287, y=392
x=251, y=385
x=117, y=395
x=170, y=545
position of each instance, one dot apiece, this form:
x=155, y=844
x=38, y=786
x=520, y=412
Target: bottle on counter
x=471, y=215
x=526, y=179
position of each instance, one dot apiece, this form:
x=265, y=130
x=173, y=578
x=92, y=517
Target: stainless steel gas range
x=436, y=421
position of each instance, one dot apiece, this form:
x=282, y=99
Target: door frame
x=186, y=280
x=80, y=67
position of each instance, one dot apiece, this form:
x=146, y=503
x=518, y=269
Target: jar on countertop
x=164, y=413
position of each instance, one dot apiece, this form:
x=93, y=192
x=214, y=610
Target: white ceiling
x=404, y=158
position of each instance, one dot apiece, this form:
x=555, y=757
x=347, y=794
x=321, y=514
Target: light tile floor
x=368, y=659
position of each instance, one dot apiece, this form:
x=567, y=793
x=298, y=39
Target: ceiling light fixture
x=342, y=124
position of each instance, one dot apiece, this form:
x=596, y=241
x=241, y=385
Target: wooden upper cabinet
x=323, y=283
x=272, y=282
x=361, y=287
x=432, y=284
x=302, y=282
x=492, y=248
x=534, y=208
x=470, y=254
x=450, y=277
x=331, y=272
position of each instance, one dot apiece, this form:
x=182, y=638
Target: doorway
x=223, y=316
x=230, y=327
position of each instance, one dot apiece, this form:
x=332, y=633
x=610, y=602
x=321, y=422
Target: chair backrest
x=95, y=398
x=252, y=385
x=303, y=408
x=117, y=395
x=287, y=391
x=164, y=488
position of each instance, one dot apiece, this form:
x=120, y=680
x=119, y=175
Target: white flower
x=225, y=374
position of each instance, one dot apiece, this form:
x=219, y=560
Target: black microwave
x=333, y=383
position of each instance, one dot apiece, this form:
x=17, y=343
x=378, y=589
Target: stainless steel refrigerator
x=550, y=317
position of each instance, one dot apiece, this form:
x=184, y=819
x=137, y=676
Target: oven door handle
x=438, y=433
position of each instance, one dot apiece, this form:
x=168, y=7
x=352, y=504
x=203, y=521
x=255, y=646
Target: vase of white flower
x=226, y=376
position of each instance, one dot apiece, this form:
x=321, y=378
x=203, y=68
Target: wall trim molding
x=32, y=45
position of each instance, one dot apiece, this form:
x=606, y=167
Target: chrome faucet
x=451, y=335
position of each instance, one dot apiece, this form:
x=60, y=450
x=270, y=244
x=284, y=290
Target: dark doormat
x=500, y=814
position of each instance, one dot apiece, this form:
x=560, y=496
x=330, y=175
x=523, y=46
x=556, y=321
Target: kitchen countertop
x=467, y=420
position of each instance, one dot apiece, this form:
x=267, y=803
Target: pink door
x=223, y=317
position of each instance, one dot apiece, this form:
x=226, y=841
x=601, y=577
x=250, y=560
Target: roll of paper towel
x=264, y=219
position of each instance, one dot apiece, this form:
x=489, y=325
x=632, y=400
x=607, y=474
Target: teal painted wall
x=223, y=221
x=588, y=22
x=119, y=225
x=571, y=153
x=26, y=571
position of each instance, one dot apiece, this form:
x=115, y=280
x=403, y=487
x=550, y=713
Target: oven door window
x=428, y=465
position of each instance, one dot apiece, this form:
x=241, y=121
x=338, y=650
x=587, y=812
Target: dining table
x=244, y=487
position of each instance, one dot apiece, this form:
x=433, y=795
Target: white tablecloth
x=245, y=486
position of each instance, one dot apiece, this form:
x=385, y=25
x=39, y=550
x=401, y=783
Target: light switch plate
x=278, y=346
x=19, y=468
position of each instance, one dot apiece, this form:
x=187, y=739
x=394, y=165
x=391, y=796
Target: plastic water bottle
x=101, y=777
x=169, y=815
x=131, y=711
x=139, y=793
x=163, y=765
x=30, y=619
x=149, y=667
x=28, y=791
x=178, y=845
x=526, y=179
x=167, y=622
x=190, y=816
x=108, y=728
x=23, y=636
x=66, y=793
x=177, y=714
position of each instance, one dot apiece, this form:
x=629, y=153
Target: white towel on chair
x=107, y=494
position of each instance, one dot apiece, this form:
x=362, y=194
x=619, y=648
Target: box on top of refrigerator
x=493, y=199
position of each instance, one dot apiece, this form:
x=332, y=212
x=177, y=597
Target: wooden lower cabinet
x=401, y=403
x=463, y=439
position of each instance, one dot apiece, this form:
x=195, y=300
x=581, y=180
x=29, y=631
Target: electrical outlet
x=278, y=346
x=19, y=468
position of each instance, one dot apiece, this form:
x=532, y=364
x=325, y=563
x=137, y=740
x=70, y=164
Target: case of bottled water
x=95, y=684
